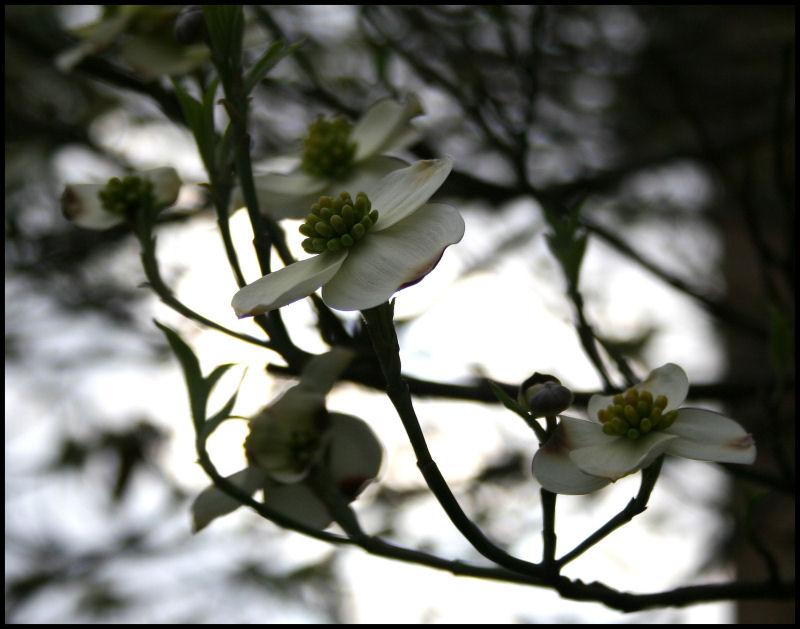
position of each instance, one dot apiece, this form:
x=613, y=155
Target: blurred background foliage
x=603, y=107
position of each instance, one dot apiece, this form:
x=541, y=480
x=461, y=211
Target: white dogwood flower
x=368, y=248
x=141, y=36
x=290, y=436
x=101, y=206
x=340, y=156
x=627, y=432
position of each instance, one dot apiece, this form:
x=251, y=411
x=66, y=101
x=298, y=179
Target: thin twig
x=636, y=506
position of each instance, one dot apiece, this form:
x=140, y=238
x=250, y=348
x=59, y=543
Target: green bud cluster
x=327, y=149
x=337, y=224
x=635, y=413
x=127, y=195
x=274, y=450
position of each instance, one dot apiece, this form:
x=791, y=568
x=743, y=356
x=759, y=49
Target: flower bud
x=190, y=25
x=286, y=438
x=544, y=395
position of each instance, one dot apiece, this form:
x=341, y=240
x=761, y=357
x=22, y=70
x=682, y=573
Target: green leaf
x=191, y=108
x=195, y=383
x=274, y=54
x=224, y=413
x=199, y=387
x=567, y=242
x=208, y=142
x=215, y=375
x=511, y=404
x=200, y=119
x=506, y=400
x=225, y=25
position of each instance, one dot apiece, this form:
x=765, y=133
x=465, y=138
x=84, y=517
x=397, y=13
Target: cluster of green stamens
x=272, y=451
x=127, y=195
x=635, y=413
x=327, y=149
x=337, y=224
x=302, y=448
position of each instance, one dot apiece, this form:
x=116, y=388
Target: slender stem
x=220, y=199
x=266, y=233
x=587, y=337
x=381, y=330
x=549, y=515
x=549, y=530
x=156, y=283
x=636, y=506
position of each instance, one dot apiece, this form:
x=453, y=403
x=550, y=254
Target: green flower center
x=127, y=195
x=274, y=451
x=635, y=413
x=327, y=149
x=337, y=224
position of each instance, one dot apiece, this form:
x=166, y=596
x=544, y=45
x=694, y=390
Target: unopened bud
x=190, y=25
x=544, y=395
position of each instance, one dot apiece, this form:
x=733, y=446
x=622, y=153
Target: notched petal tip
x=742, y=442
x=70, y=204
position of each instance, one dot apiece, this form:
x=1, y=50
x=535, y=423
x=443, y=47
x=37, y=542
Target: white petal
x=298, y=502
x=386, y=261
x=552, y=466
x=286, y=285
x=557, y=473
x=81, y=205
x=596, y=403
x=323, y=371
x=354, y=454
x=402, y=192
x=669, y=380
x=367, y=175
x=621, y=456
x=579, y=433
x=287, y=195
x=166, y=184
x=402, y=139
x=213, y=503
x=151, y=57
x=382, y=122
x=96, y=37
x=708, y=436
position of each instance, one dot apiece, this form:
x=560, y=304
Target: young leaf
x=200, y=119
x=197, y=385
x=506, y=400
x=268, y=60
x=224, y=413
x=225, y=25
x=215, y=375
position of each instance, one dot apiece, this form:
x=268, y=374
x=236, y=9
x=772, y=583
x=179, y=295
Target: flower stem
x=380, y=326
x=549, y=531
x=156, y=283
x=549, y=517
x=266, y=232
x=636, y=506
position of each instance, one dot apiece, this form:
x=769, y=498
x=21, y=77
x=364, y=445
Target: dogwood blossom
x=290, y=436
x=627, y=432
x=340, y=156
x=368, y=248
x=142, y=38
x=101, y=206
